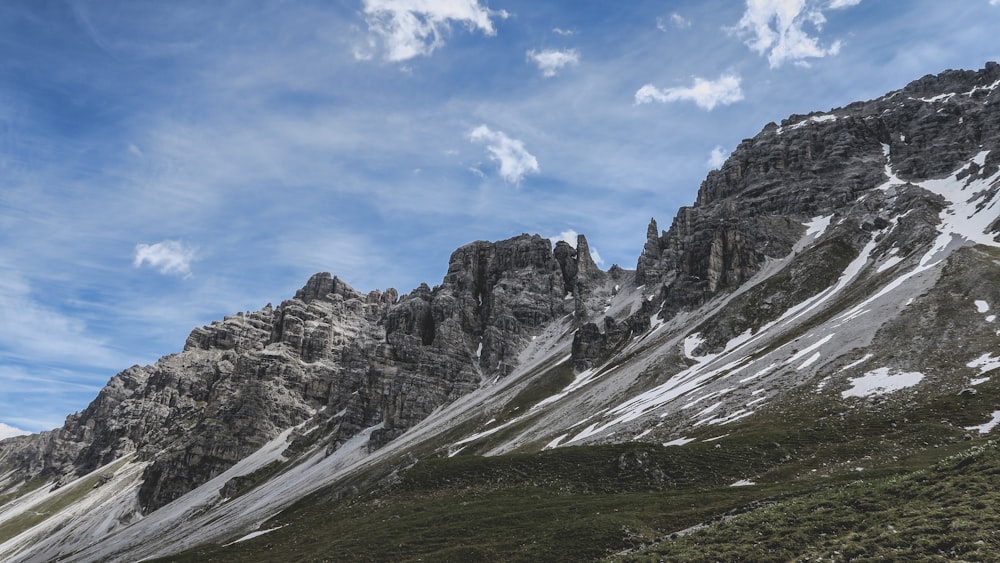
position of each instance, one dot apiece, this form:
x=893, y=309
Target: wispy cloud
x=706, y=94
x=777, y=28
x=568, y=32
x=675, y=20
x=169, y=257
x=550, y=61
x=412, y=28
x=515, y=161
x=30, y=330
x=717, y=158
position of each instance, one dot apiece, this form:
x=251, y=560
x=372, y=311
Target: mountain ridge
x=785, y=275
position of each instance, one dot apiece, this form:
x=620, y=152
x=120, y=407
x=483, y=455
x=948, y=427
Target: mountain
x=822, y=315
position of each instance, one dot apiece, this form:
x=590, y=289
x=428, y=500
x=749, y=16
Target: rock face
x=331, y=357
x=753, y=207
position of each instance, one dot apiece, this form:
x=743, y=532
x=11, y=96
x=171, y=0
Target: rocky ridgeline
x=335, y=361
x=753, y=207
x=331, y=359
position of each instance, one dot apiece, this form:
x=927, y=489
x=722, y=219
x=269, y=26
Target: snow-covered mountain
x=837, y=271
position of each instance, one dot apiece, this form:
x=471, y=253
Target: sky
x=163, y=164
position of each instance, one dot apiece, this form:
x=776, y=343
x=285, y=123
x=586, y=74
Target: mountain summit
x=826, y=308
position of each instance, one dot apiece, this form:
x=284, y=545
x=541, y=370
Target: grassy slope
x=586, y=503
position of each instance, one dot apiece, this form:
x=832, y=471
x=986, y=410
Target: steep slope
x=825, y=293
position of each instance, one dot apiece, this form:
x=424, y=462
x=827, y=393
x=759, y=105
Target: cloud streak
x=515, y=161
x=706, y=94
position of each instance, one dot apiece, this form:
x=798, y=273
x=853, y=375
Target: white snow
x=880, y=382
x=938, y=98
x=889, y=172
x=555, y=443
x=743, y=483
x=691, y=344
x=812, y=359
x=985, y=363
x=888, y=263
x=708, y=410
x=764, y=371
x=982, y=306
x=679, y=442
x=987, y=426
x=814, y=119
x=818, y=225
x=810, y=349
x=979, y=380
x=962, y=222
x=857, y=363
x=990, y=318
x=582, y=379
x=489, y=432
x=253, y=535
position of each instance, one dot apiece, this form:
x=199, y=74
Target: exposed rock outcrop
x=753, y=207
x=331, y=356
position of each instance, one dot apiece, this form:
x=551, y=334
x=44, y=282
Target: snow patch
x=253, y=535
x=986, y=427
x=938, y=98
x=691, y=344
x=814, y=119
x=880, y=382
x=856, y=363
x=985, y=363
x=818, y=225
x=979, y=380
x=812, y=359
x=982, y=306
x=889, y=262
x=743, y=483
x=679, y=442
x=555, y=443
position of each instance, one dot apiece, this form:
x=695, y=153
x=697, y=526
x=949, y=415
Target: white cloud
x=716, y=158
x=705, y=93
x=676, y=20
x=569, y=236
x=838, y=4
x=550, y=61
x=777, y=28
x=411, y=28
x=169, y=256
x=9, y=431
x=563, y=32
x=514, y=160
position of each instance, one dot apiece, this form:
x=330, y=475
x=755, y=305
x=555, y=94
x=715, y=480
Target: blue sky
x=167, y=163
